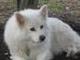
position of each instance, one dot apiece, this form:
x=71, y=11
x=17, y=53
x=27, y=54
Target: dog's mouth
x=38, y=42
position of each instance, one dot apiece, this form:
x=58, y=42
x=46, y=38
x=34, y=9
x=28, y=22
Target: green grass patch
x=53, y=6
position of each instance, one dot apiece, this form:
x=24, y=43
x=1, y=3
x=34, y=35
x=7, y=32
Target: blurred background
x=66, y=10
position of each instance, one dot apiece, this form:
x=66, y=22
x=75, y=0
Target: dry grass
x=6, y=8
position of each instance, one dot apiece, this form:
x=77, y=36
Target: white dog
x=32, y=35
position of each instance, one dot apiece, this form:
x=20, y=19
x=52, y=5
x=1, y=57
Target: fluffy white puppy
x=32, y=35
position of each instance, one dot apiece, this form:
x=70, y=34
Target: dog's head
x=33, y=23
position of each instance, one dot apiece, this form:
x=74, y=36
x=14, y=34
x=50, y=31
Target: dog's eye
x=32, y=29
x=41, y=27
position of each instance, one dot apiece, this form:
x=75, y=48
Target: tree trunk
x=22, y=4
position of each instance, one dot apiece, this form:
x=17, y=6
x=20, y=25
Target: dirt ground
x=7, y=7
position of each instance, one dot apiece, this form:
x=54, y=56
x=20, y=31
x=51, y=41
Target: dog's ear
x=20, y=19
x=44, y=10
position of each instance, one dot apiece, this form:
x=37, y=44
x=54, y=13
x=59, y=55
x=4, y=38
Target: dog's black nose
x=42, y=38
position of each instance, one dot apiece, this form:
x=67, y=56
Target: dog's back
x=63, y=37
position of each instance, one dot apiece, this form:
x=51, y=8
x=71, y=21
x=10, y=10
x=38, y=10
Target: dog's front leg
x=47, y=55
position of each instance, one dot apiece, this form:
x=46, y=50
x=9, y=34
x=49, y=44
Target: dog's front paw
x=18, y=58
x=45, y=56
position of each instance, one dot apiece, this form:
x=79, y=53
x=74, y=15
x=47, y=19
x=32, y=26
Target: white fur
x=25, y=45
